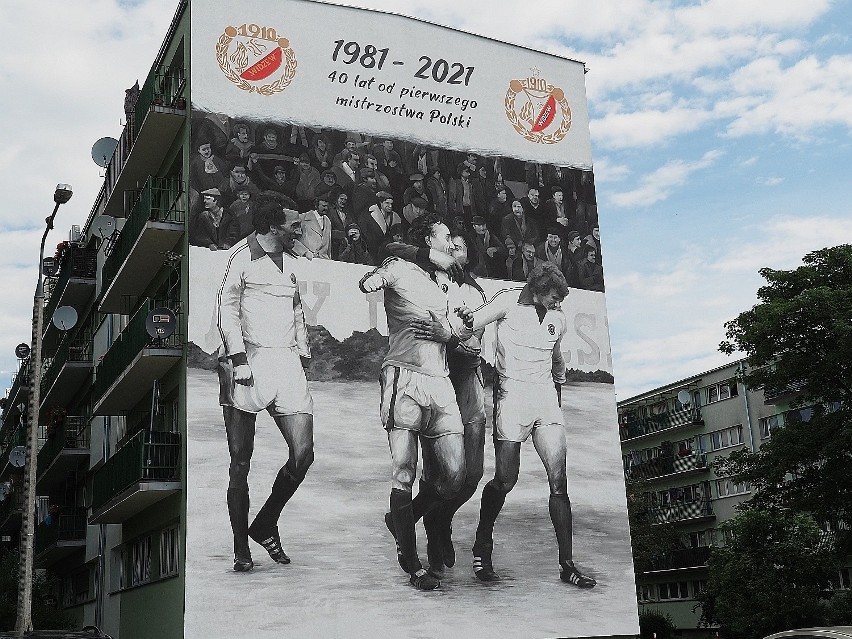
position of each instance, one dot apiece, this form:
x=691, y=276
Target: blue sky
x=720, y=133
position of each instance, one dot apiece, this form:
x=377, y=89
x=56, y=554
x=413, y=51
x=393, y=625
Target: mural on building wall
x=388, y=239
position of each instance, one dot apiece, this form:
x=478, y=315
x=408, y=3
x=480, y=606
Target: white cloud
x=608, y=171
x=657, y=185
x=770, y=181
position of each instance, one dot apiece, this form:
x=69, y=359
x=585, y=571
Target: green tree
x=772, y=576
x=799, y=337
x=45, y=611
x=650, y=541
x=654, y=624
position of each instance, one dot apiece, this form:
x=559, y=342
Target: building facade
x=669, y=438
x=110, y=506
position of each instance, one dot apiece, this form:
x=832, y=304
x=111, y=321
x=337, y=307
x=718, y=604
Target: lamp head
x=62, y=194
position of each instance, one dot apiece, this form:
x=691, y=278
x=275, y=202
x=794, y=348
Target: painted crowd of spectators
x=357, y=192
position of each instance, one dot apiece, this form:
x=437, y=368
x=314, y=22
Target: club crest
x=255, y=59
x=537, y=109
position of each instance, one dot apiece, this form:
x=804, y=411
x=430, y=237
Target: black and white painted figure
x=261, y=367
x=530, y=325
x=417, y=398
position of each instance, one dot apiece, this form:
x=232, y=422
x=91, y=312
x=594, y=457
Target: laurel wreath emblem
x=276, y=86
x=515, y=86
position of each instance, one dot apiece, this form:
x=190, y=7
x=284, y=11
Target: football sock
x=283, y=488
x=492, y=502
x=560, y=515
x=403, y=522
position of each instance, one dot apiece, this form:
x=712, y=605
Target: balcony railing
x=76, y=262
x=667, y=465
x=660, y=422
x=147, y=456
x=771, y=394
x=681, y=511
x=679, y=559
x=73, y=434
x=14, y=503
x=130, y=342
x=68, y=525
x=19, y=380
x=77, y=350
x=161, y=200
x=164, y=88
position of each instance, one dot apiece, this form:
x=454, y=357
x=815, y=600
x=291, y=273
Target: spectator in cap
x=413, y=210
x=417, y=189
x=355, y=250
x=212, y=226
x=268, y=153
x=488, y=248
x=280, y=182
x=364, y=194
x=550, y=250
x=389, y=159
x=589, y=272
x=328, y=183
x=465, y=197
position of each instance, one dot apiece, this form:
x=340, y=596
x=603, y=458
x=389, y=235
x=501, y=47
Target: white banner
x=317, y=64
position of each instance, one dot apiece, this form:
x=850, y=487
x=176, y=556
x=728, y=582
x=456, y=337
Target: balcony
x=135, y=359
x=698, y=510
x=11, y=509
x=665, y=466
x=160, y=113
x=18, y=392
x=775, y=395
x=65, y=450
x=142, y=472
x=660, y=423
x=679, y=559
x=71, y=367
x=65, y=535
x=154, y=226
x=73, y=286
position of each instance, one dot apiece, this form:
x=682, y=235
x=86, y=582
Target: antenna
x=161, y=322
x=102, y=151
x=104, y=225
x=65, y=318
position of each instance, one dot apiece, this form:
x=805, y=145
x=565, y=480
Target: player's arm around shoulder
x=382, y=276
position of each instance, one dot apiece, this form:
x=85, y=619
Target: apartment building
x=110, y=417
x=669, y=439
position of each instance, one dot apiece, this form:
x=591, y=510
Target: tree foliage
x=45, y=612
x=772, y=576
x=799, y=338
x=654, y=624
x=650, y=541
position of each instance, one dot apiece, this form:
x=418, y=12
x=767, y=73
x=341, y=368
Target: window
x=169, y=551
x=78, y=587
x=844, y=578
x=644, y=593
x=723, y=390
x=696, y=539
x=673, y=590
x=727, y=487
x=769, y=424
x=140, y=561
x=724, y=438
x=698, y=586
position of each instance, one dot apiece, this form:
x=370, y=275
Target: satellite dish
x=161, y=323
x=22, y=351
x=104, y=225
x=65, y=318
x=683, y=397
x=18, y=456
x=102, y=151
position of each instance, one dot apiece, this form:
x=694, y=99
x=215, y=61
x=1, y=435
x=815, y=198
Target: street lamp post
x=25, y=574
